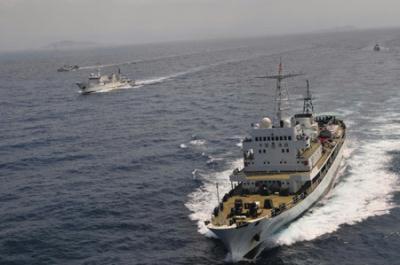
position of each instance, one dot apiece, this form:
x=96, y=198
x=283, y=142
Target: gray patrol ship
x=290, y=162
x=67, y=68
x=97, y=82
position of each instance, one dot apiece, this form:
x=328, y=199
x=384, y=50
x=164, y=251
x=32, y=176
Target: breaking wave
x=202, y=201
x=213, y=160
x=198, y=142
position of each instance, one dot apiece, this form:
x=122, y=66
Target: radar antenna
x=308, y=107
x=281, y=95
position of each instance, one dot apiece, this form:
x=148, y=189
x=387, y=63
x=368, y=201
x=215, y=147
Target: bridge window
x=269, y=138
x=289, y=138
x=281, y=138
x=285, y=138
x=256, y=139
x=265, y=138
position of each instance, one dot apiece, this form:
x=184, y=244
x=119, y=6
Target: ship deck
x=277, y=200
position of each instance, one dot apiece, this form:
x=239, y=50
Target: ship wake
x=202, y=201
x=365, y=189
x=154, y=80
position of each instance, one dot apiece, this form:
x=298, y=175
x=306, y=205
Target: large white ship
x=97, y=82
x=290, y=162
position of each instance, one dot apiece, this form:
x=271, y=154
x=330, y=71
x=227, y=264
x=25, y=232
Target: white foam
x=203, y=200
x=161, y=79
x=154, y=80
x=105, y=90
x=195, y=173
x=183, y=146
x=365, y=191
x=240, y=138
x=213, y=160
x=198, y=142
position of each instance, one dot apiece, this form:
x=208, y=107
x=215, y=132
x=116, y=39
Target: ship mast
x=281, y=95
x=308, y=107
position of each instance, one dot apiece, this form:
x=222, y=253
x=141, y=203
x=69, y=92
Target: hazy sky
x=36, y=23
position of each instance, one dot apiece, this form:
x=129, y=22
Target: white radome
x=287, y=123
x=266, y=123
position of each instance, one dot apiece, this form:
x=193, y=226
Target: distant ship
x=377, y=47
x=290, y=162
x=67, y=68
x=97, y=82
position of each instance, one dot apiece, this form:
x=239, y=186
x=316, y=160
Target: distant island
x=68, y=45
x=337, y=29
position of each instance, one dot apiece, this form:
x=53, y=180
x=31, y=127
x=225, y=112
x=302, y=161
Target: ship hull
x=91, y=89
x=246, y=241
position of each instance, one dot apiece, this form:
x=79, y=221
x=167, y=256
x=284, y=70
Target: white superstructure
x=289, y=163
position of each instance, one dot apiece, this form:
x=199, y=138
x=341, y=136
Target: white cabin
x=282, y=149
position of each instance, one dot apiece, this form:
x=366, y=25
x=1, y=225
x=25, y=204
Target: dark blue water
x=128, y=176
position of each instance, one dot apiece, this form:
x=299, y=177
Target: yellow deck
x=222, y=218
x=307, y=153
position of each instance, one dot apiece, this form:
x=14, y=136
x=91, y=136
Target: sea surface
x=129, y=176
